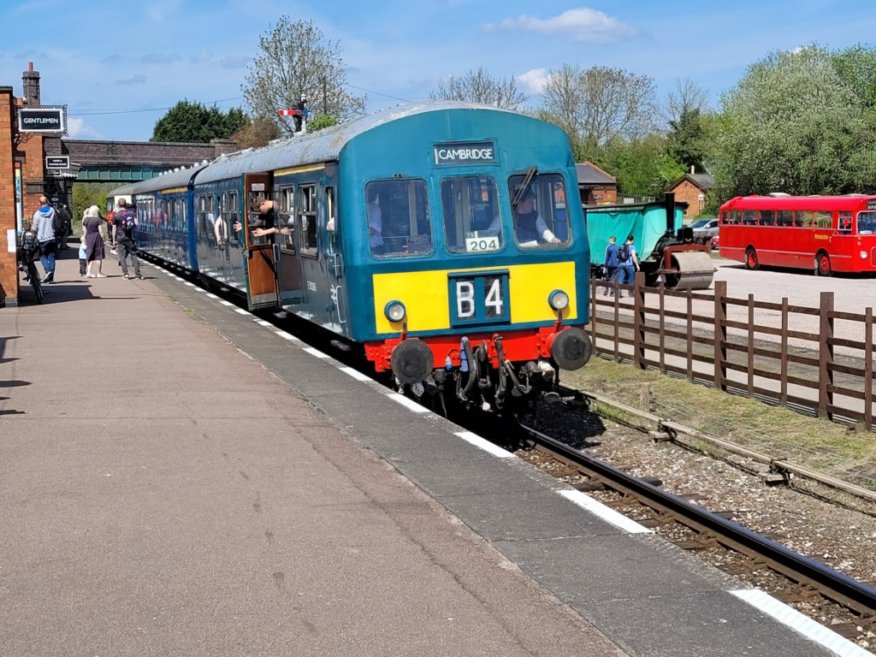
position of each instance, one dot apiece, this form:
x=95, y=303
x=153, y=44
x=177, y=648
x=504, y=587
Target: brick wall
x=689, y=193
x=8, y=266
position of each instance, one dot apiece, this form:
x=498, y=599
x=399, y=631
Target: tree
x=479, y=87
x=685, y=109
x=296, y=61
x=189, y=121
x=257, y=133
x=600, y=103
x=792, y=124
x=641, y=165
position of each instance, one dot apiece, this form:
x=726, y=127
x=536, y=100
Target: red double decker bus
x=824, y=233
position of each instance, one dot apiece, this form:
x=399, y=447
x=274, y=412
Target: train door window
x=398, y=220
x=472, y=220
x=538, y=210
x=331, y=220
x=307, y=218
x=284, y=214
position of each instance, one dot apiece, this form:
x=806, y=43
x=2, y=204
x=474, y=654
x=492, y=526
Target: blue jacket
x=611, y=256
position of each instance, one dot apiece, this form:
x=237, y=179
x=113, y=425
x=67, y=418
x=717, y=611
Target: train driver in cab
x=529, y=226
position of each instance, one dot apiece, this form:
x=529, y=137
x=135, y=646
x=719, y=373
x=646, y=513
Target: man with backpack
x=44, y=221
x=124, y=222
x=629, y=261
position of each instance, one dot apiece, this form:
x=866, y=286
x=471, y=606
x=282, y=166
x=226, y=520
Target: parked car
x=704, y=229
x=715, y=242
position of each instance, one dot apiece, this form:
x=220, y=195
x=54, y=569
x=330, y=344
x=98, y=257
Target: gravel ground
x=842, y=538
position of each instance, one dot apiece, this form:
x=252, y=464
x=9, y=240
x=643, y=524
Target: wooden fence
x=815, y=360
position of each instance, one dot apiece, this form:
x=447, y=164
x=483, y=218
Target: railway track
x=805, y=578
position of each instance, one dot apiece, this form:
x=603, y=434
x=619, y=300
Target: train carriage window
x=398, y=222
x=539, y=217
x=284, y=210
x=767, y=218
x=472, y=219
x=750, y=217
x=307, y=218
x=845, y=222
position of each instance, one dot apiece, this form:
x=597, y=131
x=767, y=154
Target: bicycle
x=26, y=265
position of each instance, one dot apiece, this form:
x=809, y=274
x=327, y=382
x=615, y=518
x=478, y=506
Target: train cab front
x=492, y=362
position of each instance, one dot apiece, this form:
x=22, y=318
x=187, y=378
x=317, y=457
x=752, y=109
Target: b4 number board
x=479, y=298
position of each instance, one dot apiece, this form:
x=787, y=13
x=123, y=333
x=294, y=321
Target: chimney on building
x=31, y=85
x=692, y=169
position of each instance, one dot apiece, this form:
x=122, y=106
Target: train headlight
x=395, y=311
x=558, y=300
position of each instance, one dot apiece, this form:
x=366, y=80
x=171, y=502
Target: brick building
x=693, y=189
x=595, y=186
x=24, y=178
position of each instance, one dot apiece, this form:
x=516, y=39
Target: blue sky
x=120, y=65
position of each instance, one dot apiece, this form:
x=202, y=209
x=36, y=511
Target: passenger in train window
x=529, y=224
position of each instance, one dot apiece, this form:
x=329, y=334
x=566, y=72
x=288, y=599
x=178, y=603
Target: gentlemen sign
x=57, y=161
x=478, y=152
x=52, y=120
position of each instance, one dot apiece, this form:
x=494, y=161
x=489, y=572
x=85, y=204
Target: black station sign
x=471, y=152
x=57, y=161
x=52, y=120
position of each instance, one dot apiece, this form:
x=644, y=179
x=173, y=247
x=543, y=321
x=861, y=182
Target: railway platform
x=179, y=477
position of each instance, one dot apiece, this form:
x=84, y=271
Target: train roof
x=322, y=146
x=811, y=203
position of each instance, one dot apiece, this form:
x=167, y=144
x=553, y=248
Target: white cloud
x=581, y=24
x=533, y=81
x=76, y=129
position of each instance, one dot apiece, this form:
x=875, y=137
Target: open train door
x=260, y=259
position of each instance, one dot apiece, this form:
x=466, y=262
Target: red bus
x=824, y=233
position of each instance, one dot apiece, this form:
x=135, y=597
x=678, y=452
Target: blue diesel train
x=436, y=238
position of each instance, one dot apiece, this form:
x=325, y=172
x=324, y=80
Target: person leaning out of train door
x=271, y=222
x=529, y=225
x=610, y=265
x=631, y=265
x=260, y=223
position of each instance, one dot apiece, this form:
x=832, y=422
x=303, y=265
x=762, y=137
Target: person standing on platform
x=92, y=227
x=124, y=222
x=44, y=227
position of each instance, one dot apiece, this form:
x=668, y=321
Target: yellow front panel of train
x=426, y=295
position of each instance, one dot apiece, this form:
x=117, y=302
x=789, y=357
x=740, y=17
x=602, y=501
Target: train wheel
x=822, y=264
x=751, y=259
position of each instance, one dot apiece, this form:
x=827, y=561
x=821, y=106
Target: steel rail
x=841, y=588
